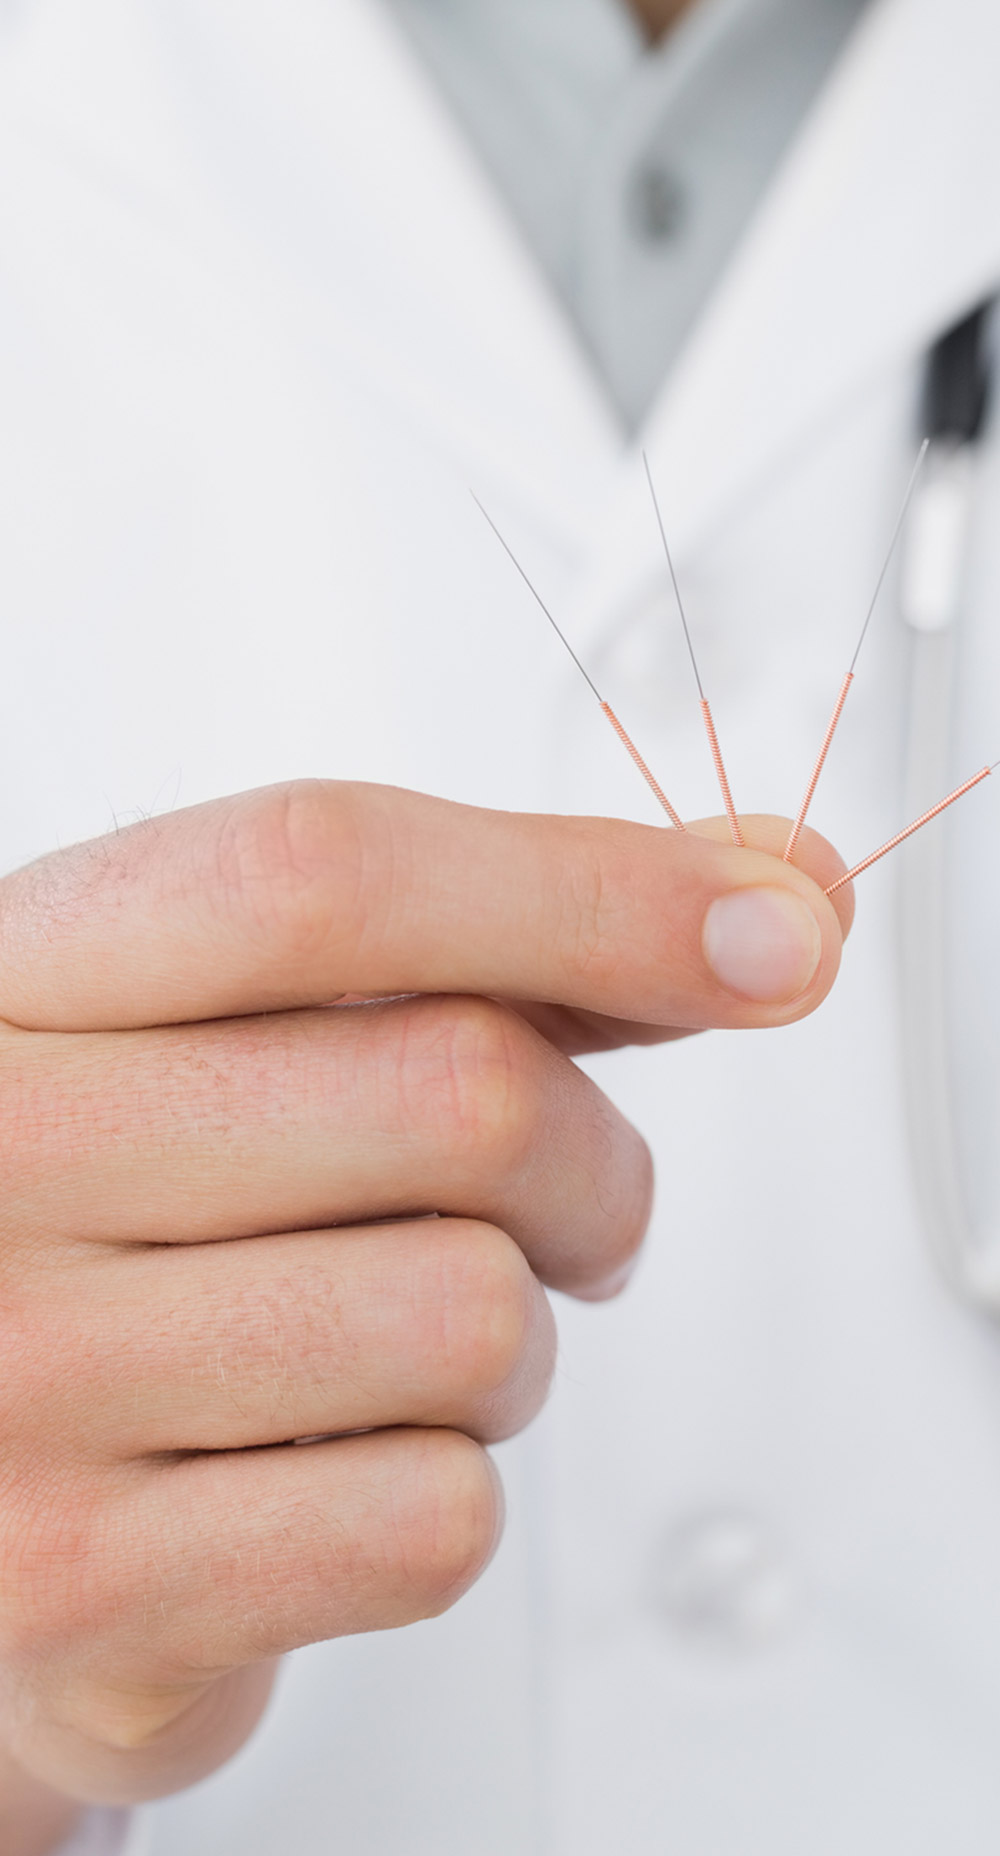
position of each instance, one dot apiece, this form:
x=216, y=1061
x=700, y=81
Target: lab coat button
x=720, y=1578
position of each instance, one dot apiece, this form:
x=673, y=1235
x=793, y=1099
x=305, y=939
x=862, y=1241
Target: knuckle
x=487, y=1301
x=631, y=1204
x=615, y=1198
x=478, y=1082
x=449, y=1525
x=289, y=863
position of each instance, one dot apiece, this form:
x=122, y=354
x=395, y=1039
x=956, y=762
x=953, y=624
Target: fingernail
x=763, y=944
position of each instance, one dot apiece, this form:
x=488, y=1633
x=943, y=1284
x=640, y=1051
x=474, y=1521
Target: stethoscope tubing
x=932, y=589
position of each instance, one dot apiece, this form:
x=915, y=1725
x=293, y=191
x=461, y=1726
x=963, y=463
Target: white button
x=720, y=1578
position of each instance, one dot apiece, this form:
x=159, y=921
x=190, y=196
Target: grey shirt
x=631, y=171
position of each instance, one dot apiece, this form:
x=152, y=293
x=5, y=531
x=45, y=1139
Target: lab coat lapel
x=450, y=307
x=878, y=232
x=418, y=275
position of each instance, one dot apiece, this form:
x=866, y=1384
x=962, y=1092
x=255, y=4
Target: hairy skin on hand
x=216, y=1235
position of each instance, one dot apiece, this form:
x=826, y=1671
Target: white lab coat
x=262, y=325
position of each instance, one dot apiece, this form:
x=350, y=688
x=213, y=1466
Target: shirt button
x=656, y=203
x=721, y=1579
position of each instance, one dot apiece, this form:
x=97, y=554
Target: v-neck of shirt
x=631, y=170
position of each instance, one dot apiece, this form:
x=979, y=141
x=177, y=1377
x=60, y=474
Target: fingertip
x=818, y=859
x=609, y=1287
x=843, y=901
x=813, y=857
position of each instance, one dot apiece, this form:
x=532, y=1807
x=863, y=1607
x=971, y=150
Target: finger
x=237, y=1558
x=302, y=1120
x=226, y=1346
x=297, y=895
x=575, y=1031
x=813, y=854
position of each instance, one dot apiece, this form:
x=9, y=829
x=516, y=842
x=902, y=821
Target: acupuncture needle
x=838, y=708
x=907, y=832
x=623, y=736
x=706, y=713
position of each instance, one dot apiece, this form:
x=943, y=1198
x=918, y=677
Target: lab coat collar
x=312, y=131
x=446, y=305
x=882, y=227
x=429, y=286
x=889, y=183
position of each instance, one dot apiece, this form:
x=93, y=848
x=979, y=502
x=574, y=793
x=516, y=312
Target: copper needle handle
x=817, y=770
x=727, y=797
x=651, y=781
x=924, y=819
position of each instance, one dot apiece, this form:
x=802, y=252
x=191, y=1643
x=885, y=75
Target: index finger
x=295, y=895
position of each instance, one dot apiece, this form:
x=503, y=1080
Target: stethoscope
x=955, y=404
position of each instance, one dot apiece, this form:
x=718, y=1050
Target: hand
x=195, y=1147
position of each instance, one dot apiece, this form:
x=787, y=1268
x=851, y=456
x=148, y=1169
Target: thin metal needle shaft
x=533, y=590
x=706, y=713
x=890, y=551
x=831, y=729
x=924, y=819
x=623, y=736
x=795, y=832
x=673, y=575
x=735, y=829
